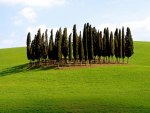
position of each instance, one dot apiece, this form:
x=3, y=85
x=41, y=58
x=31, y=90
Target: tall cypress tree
x=33, y=48
x=29, y=46
x=116, y=37
x=75, y=43
x=44, y=49
x=95, y=41
x=100, y=45
x=70, y=48
x=104, y=45
x=111, y=45
x=128, y=44
x=59, y=42
x=80, y=49
x=65, y=44
x=120, y=45
x=90, y=45
x=50, y=48
x=85, y=43
x=38, y=42
x=123, y=45
x=107, y=44
x=46, y=44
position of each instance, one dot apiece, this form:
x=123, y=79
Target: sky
x=18, y=17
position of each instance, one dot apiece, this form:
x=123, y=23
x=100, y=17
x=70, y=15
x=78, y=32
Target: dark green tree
x=123, y=45
x=120, y=45
x=111, y=45
x=29, y=46
x=38, y=52
x=80, y=49
x=95, y=42
x=129, y=48
x=75, y=43
x=70, y=48
x=116, y=37
x=65, y=44
x=104, y=45
x=59, y=42
x=90, y=45
x=107, y=44
x=51, y=46
x=100, y=45
x=44, y=48
x=85, y=43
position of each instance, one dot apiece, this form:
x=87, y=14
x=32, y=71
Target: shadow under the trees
x=23, y=68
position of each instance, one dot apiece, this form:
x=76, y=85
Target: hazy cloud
x=37, y=3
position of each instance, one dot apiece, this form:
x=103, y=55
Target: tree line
x=89, y=46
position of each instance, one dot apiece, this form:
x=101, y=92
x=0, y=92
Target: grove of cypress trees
x=128, y=44
x=123, y=45
x=75, y=43
x=92, y=44
x=80, y=49
x=65, y=44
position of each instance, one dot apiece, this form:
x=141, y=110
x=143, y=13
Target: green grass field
x=103, y=89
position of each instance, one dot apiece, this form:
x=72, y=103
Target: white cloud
x=38, y=3
x=28, y=13
x=139, y=28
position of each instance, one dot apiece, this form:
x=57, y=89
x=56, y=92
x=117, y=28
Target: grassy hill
x=103, y=89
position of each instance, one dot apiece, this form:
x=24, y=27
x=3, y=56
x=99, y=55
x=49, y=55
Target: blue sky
x=18, y=17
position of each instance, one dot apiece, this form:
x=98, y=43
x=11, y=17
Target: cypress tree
x=51, y=47
x=44, y=49
x=80, y=49
x=90, y=45
x=116, y=36
x=111, y=45
x=100, y=45
x=107, y=44
x=120, y=45
x=70, y=48
x=33, y=49
x=29, y=46
x=46, y=44
x=75, y=43
x=128, y=44
x=85, y=43
x=65, y=44
x=59, y=42
x=95, y=41
x=104, y=45
x=38, y=45
x=123, y=45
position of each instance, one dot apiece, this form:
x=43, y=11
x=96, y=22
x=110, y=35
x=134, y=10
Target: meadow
x=102, y=89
